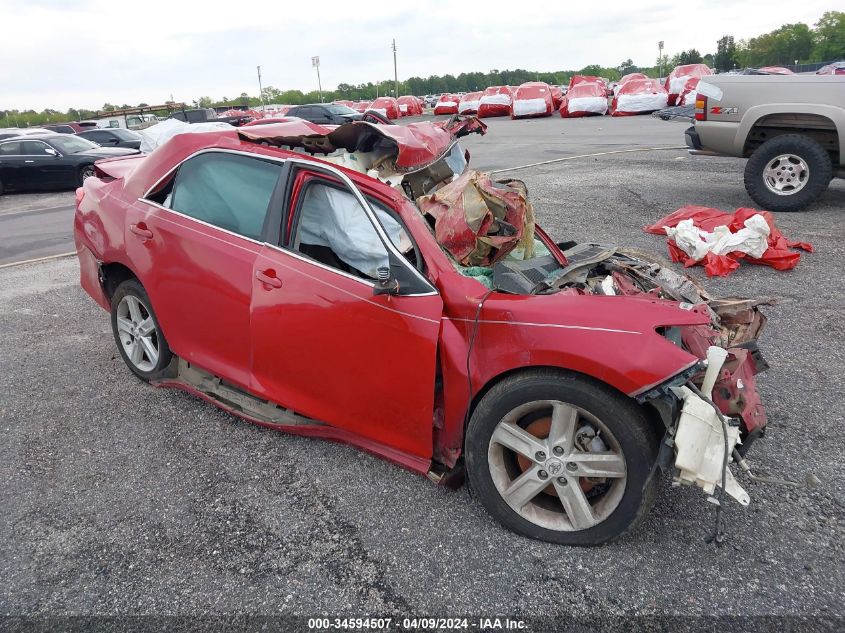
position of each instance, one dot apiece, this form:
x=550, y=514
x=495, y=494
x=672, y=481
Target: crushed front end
x=712, y=411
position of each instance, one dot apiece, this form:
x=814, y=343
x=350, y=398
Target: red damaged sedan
x=362, y=284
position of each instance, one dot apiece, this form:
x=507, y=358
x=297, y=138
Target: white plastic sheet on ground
x=525, y=107
x=641, y=102
x=160, y=133
x=753, y=239
x=594, y=105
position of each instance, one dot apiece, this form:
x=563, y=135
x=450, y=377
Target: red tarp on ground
x=532, y=99
x=584, y=99
x=495, y=101
x=469, y=103
x=447, y=104
x=778, y=255
x=409, y=106
x=678, y=78
x=638, y=96
x=386, y=106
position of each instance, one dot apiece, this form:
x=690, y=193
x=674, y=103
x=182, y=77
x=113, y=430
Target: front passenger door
x=323, y=343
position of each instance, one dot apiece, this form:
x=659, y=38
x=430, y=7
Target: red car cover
x=362, y=106
x=689, y=93
x=584, y=99
x=630, y=76
x=409, y=106
x=638, y=96
x=678, y=78
x=557, y=97
x=495, y=101
x=345, y=102
x=776, y=70
x=469, y=103
x=532, y=99
x=587, y=79
x=778, y=255
x=447, y=104
x=386, y=106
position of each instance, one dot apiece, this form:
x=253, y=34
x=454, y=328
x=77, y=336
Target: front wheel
x=560, y=458
x=787, y=173
x=137, y=332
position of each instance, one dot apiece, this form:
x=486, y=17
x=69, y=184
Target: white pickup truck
x=790, y=127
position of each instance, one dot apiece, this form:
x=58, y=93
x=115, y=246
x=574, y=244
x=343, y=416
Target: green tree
x=627, y=67
x=691, y=56
x=829, y=37
x=726, y=53
x=204, y=102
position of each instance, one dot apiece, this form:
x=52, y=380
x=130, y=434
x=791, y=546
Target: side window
x=34, y=148
x=12, y=148
x=334, y=229
x=97, y=137
x=225, y=190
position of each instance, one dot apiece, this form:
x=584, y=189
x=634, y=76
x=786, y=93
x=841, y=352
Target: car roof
x=46, y=135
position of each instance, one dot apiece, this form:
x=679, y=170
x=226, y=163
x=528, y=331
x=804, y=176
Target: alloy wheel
x=138, y=333
x=786, y=174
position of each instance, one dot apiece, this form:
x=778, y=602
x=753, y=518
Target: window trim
x=24, y=140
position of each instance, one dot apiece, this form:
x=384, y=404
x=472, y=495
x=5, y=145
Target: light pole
x=660, y=59
x=261, y=91
x=395, y=74
x=315, y=63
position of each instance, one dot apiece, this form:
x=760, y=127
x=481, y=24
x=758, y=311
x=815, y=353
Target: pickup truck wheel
x=787, y=173
x=561, y=458
x=137, y=332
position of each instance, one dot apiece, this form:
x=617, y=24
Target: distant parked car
x=330, y=113
x=50, y=161
x=71, y=127
x=9, y=132
x=113, y=137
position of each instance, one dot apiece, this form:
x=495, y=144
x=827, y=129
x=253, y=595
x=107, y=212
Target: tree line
x=787, y=45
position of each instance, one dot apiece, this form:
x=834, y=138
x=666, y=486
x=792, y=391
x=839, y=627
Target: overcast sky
x=83, y=53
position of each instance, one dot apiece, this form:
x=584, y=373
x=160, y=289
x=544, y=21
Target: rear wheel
x=137, y=332
x=561, y=458
x=787, y=173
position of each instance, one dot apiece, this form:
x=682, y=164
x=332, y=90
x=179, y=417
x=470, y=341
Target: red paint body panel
x=323, y=345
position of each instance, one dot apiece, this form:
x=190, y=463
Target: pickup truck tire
x=787, y=173
x=560, y=457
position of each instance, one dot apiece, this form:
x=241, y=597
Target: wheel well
x=112, y=275
x=649, y=411
x=815, y=126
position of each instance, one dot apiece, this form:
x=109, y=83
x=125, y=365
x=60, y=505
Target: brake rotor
x=540, y=429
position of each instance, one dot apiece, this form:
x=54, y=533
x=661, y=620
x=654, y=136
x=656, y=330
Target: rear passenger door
x=193, y=242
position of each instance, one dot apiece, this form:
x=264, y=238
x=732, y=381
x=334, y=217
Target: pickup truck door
x=325, y=346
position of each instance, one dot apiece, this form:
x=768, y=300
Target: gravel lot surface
x=119, y=498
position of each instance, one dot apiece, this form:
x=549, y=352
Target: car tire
x=85, y=172
x=137, y=332
x=787, y=173
x=549, y=502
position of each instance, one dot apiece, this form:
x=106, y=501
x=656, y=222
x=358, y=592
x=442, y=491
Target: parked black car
x=331, y=113
x=50, y=161
x=112, y=137
x=207, y=115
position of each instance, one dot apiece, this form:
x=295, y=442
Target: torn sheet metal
x=479, y=221
x=414, y=146
x=720, y=241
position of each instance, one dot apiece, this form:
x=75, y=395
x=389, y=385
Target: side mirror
x=52, y=152
x=386, y=284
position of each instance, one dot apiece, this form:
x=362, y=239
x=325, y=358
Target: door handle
x=141, y=230
x=29, y=161
x=268, y=277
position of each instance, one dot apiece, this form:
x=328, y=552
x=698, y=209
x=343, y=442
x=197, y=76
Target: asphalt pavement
x=119, y=498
